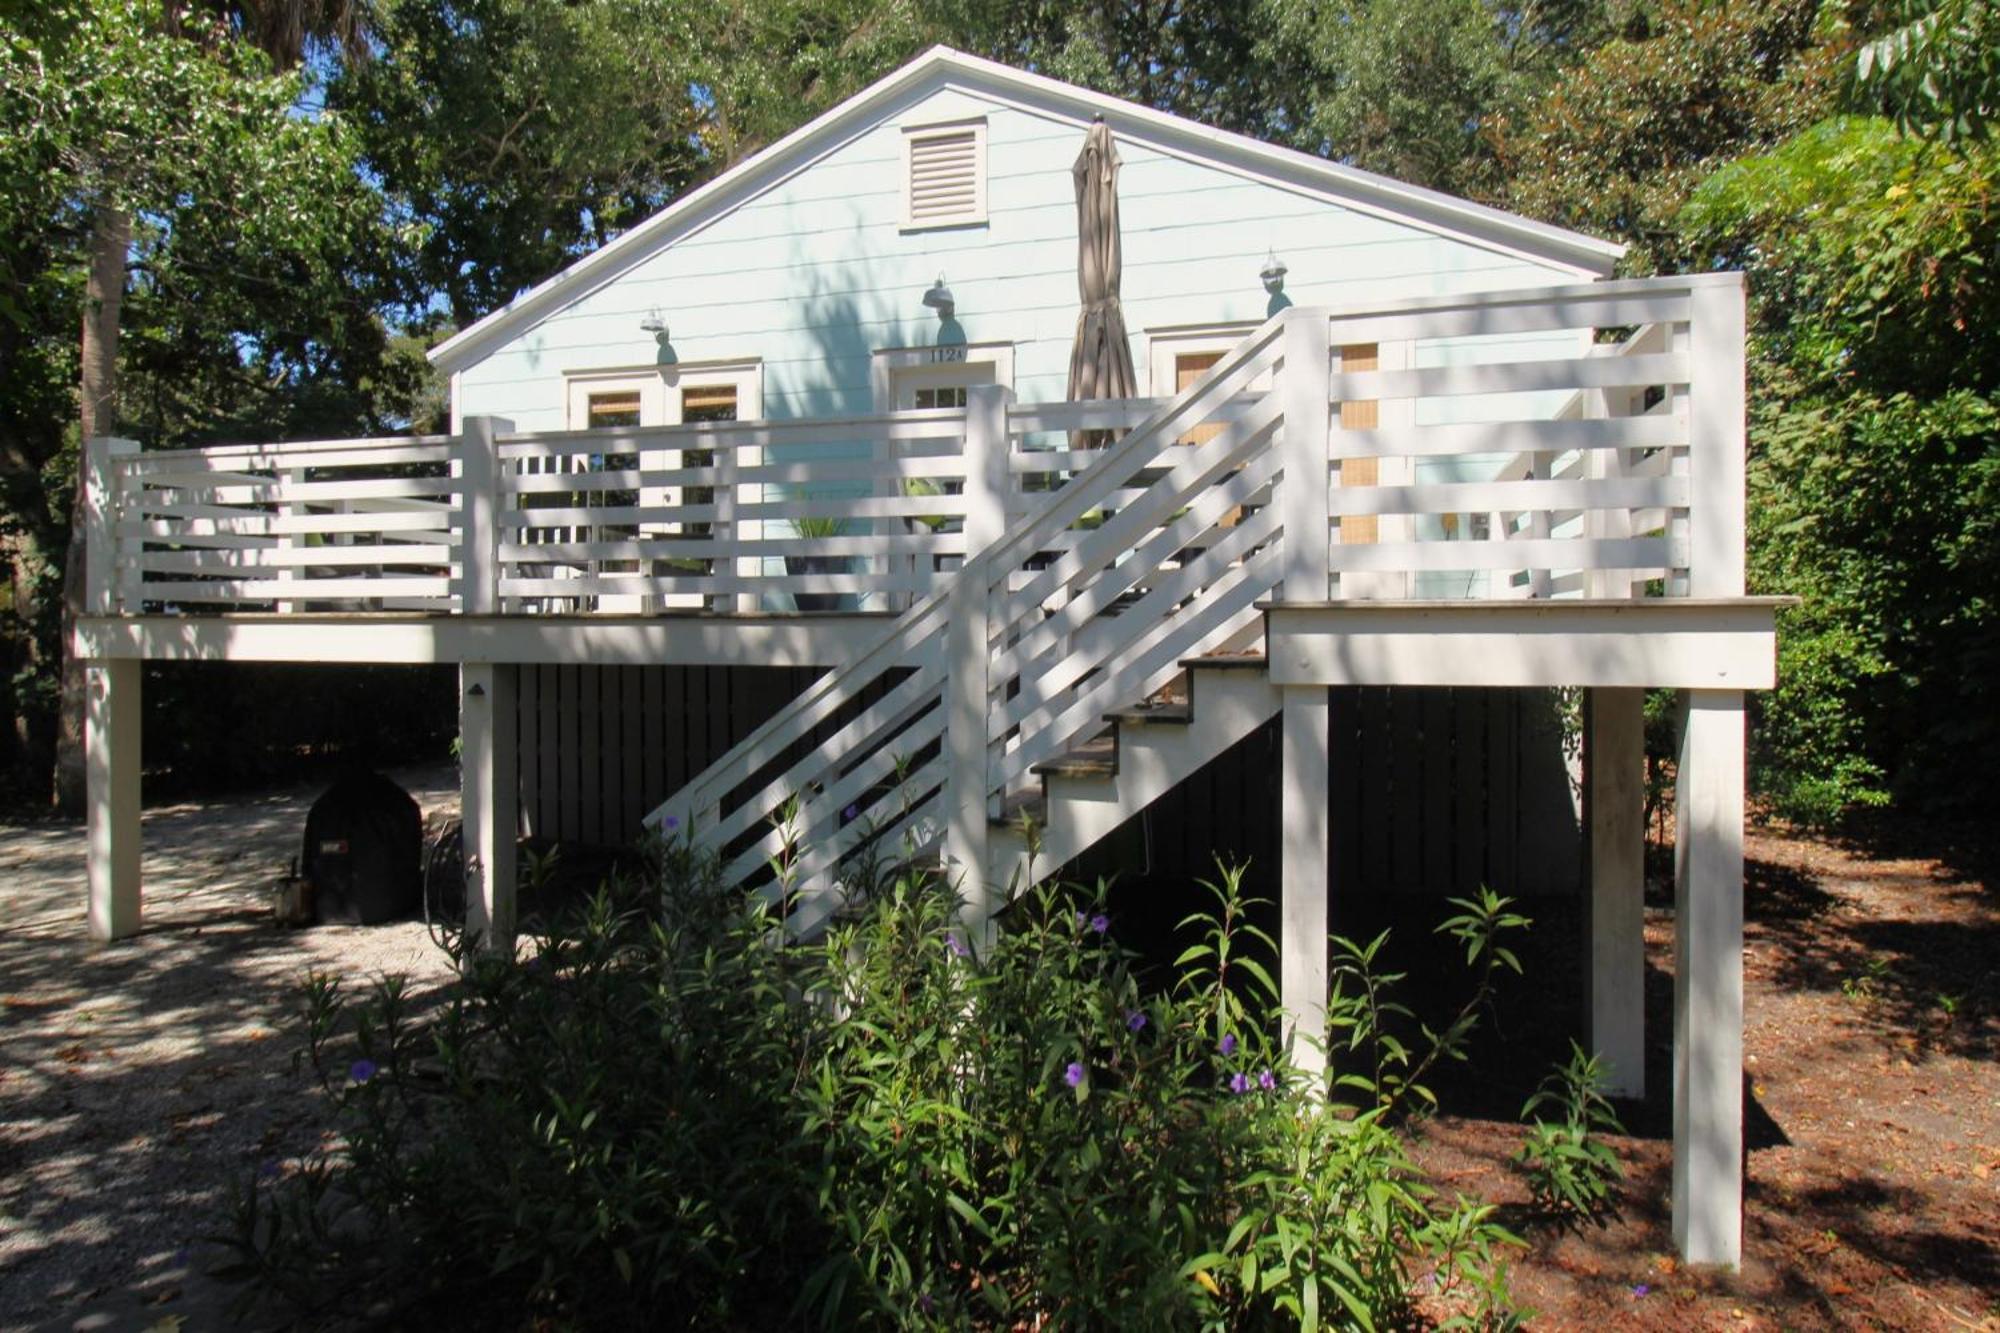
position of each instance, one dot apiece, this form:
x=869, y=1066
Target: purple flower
x=1239, y=1082
x=924, y=1302
x=362, y=1070
x=1267, y=1082
x=1641, y=1290
x=958, y=947
x=1135, y=1019
x=1228, y=1047
x=1074, y=1074
x=267, y=1169
x=851, y=813
x=671, y=822
x=1100, y=923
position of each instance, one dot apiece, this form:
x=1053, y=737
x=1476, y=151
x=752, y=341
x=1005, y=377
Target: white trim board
x=1659, y=642
x=941, y=68
x=600, y=640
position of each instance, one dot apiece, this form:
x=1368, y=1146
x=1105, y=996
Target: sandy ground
x=138, y=1080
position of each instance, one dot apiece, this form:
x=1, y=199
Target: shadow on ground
x=139, y=1080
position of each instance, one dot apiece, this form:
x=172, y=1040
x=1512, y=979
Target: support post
x=479, y=511
x=103, y=484
x=1303, y=861
x=490, y=799
x=968, y=655
x=1303, y=497
x=1614, y=803
x=1708, y=981
x=111, y=776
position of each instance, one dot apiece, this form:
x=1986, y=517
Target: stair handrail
x=697, y=805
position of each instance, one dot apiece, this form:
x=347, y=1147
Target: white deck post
x=1708, y=982
x=967, y=649
x=111, y=719
x=111, y=776
x=490, y=799
x=1302, y=498
x=1708, y=851
x=1303, y=861
x=1303, y=495
x=479, y=512
x=1614, y=762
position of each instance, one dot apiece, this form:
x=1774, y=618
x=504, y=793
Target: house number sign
x=944, y=354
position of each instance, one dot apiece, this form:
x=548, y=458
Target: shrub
x=670, y=1116
x=1572, y=1173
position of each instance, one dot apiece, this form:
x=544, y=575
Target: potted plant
x=818, y=529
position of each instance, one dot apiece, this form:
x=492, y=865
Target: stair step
x=1028, y=801
x=1227, y=662
x=1176, y=713
x=1093, y=758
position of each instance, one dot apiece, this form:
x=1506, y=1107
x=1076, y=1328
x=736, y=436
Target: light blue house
x=797, y=280
x=1383, y=438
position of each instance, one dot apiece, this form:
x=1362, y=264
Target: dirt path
x=137, y=1081
x=1872, y=1115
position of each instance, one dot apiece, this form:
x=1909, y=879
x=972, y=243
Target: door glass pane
x=704, y=402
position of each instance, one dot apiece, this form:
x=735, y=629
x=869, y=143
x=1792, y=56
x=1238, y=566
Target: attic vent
x=944, y=176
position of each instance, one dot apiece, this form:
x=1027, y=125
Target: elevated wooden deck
x=1534, y=488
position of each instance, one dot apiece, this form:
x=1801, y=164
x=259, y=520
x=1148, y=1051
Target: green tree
x=1615, y=146
x=1415, y=89
x=1875, y=464
x=1937, y=73
x=152, y=145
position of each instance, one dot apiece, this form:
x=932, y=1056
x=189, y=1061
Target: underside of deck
x=1664, y=643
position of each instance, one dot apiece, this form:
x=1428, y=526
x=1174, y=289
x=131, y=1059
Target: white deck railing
x=1515, y=453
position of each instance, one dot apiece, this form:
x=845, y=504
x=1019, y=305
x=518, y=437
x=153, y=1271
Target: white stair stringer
x=1153, y=756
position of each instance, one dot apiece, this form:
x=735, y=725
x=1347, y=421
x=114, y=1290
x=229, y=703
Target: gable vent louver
x=944, y=181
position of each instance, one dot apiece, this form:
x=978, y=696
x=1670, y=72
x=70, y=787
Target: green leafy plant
x=659, y=1119
x=1571, y=1171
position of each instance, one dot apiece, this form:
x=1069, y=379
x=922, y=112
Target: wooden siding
x=817, y=273
x=1431, y=791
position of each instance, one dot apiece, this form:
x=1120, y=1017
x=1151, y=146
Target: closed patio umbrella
x=1100, y=364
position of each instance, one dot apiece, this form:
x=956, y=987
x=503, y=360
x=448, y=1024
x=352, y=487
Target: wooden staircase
x=1144, y=752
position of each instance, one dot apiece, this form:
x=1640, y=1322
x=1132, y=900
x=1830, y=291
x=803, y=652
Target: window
x=944, y=175
x=943, y=395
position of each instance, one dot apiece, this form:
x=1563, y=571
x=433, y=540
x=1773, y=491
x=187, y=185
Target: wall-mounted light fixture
x=1273, y=274
x=656, y=324
x=938, y=298
x=950, y=333
x=1273, y=278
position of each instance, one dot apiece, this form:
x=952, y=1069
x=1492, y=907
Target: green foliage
x=1617, y=144
x=1414, y=90
x=1571, y=1172
x=1937, y=73
x=666, y=1118
x=1875, y=463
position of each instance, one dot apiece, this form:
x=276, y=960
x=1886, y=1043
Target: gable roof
x=942, y=67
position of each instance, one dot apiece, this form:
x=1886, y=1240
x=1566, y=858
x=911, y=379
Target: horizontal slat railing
x=338, y=525
x=1046, y=561
x=1521, y=453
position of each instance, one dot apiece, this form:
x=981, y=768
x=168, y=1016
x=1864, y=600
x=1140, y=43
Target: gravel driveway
x=137, y=1081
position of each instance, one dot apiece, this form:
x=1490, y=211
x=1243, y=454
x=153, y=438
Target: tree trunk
x=104, y=294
